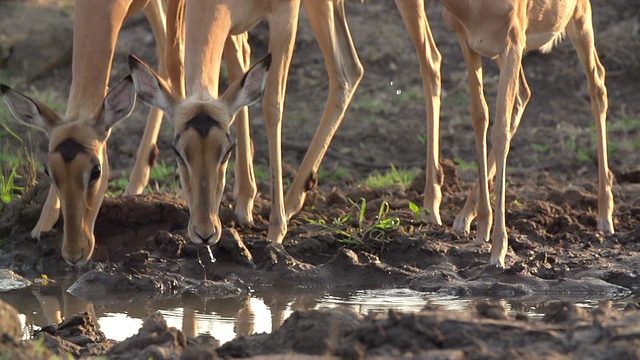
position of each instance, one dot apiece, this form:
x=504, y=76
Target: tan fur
x=557, y=39
x=192, y=107
x=202, y=152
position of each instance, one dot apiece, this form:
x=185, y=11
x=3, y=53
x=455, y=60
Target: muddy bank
x=554, y=254
x=142, y=246
x=486, y=331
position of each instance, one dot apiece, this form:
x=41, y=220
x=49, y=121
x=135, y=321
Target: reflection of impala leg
x=283, y=29
x=580, y=31
x=237, y=56
x=329, y=24
x=148, y=150
x=462, y=222
x=415, y=20
x=72, y=305
x=51, y=307
x=189, y=321
x=245, y=320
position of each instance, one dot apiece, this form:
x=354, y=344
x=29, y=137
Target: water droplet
x=213, y=260
x=398, y=92
x=390, y=83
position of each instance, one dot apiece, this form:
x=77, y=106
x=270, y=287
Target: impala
x=504, y=30
x=77, y=157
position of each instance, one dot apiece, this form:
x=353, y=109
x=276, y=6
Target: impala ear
x=117, y=105
x=28, y=111
x=249, y=89
x=152, y=90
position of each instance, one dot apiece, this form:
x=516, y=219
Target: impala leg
x=462, y=222
x=237, y=56
x=329, y=24
x=49, y=215
x=510, y=72
x=148, y=150
x=174, y=48
x=283, y=29
x=146, y=155
x=580, y=31
x=480, y=120
x=417, y=24
x=93, y=54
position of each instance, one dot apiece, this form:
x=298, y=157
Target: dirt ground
x=555, y=251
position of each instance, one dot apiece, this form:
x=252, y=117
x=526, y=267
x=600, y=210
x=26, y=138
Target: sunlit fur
x=76, y=162
x=80, y=198
x=202, y=176
x=202, y=150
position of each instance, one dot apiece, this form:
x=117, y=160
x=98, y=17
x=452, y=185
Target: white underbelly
x=544, y=41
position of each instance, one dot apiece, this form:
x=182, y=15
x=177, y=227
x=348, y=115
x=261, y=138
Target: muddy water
x=262, y=311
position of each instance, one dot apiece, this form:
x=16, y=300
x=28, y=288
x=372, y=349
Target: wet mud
x=555, y=254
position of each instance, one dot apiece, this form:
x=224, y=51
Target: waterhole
x=261, y=311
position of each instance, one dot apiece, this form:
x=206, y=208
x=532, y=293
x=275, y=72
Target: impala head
x=203, y=141
x=77, y=160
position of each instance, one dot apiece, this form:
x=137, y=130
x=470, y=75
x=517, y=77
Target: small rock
x=9, y=280
x=492, y=311
x=563, y=311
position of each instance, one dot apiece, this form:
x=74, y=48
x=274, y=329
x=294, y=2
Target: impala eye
x=226, y=156
x=96, y=171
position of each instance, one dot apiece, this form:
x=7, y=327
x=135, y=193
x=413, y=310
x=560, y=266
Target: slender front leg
x=580, y=32
x=49, y=215
x=480, y=120
x=329, y=24
x=282, y=29
x=174, y=49
x=417, y=24
x=146, y=155
x=462, y=222
x=237, y=56
x=500, y=135
x=148, y=150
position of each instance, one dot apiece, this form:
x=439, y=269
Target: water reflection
x=264, y=310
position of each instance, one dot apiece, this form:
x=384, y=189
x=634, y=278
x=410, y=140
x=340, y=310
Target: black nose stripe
x=69, y=149
x=202, y=124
